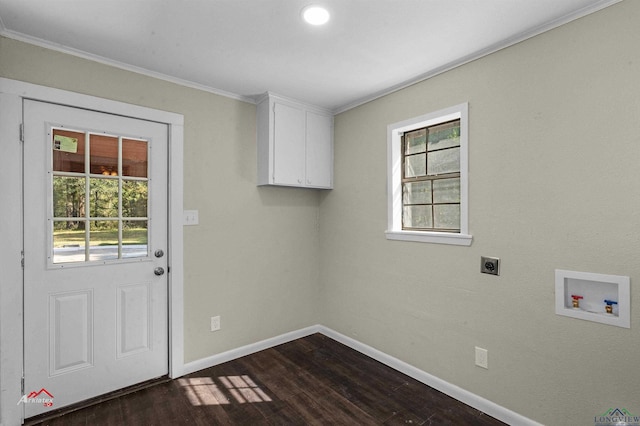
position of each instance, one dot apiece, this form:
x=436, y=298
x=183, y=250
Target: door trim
x=12, y=93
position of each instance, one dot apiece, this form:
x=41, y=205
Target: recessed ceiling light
x=315, y=15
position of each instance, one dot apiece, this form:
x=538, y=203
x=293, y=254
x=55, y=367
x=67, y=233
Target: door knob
x=158, y=271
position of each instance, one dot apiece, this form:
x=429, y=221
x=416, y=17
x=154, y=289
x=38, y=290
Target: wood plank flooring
x=310, y=381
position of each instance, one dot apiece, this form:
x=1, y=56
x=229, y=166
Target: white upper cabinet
x=295, y=144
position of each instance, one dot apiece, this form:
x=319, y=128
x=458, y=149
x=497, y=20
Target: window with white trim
x=428, y=178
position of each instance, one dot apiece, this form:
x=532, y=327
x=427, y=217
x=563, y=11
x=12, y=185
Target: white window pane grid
x=98, y=214
x=431, y=178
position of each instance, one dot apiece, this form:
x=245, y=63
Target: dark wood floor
x=311, y=381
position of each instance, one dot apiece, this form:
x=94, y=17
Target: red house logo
x=42, y=396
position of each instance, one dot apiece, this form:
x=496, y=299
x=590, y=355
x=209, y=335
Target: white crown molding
x=525, y=35
x=587, y=10
x=117, y=64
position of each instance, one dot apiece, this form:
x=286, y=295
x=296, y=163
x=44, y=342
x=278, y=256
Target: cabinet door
x=319, y=160
x=289, y=145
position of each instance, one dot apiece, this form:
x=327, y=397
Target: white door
x=95, y=242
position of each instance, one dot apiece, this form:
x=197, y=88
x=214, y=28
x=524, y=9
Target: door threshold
x=93, y=401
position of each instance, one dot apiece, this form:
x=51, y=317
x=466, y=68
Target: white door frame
x=12, y=93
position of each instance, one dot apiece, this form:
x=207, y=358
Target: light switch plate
x=190, y=217
x=490, y=265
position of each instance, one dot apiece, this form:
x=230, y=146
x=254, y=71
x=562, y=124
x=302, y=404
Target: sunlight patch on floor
x=230, y=389
x=203, y=391
x=244, y=389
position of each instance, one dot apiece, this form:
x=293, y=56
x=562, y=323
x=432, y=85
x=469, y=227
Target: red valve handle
x=575, y=297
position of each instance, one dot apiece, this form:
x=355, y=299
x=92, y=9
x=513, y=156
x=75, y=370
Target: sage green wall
x=554, y=182
x=253, y=258
x=554, y=147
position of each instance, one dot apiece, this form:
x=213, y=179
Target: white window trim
x=394, y=177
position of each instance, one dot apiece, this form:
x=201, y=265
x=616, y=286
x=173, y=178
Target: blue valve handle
x=610, y=302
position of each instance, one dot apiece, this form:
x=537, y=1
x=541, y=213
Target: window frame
x=88, y=217
x=394, y=177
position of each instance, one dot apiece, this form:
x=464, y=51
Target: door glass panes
x=104, y=155
x=68, y=197
x=69, y=241
x=134, y=198
x=100, y=197
x=68, y=151
x=134, y=158
x=103, y=240
x=103, y=197
x=134, y=238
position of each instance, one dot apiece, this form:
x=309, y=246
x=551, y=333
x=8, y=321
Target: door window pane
x=117, y=216
x=134, y=158
x=103, y=198
x=68, y=196
x=104, y=155
x=68, y=151
x=69, y=241
x=134, y=198
x=135, y=238
x=103, y=240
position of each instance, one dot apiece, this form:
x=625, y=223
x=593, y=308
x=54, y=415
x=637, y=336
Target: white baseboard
x=471, y=399
x=232, y=354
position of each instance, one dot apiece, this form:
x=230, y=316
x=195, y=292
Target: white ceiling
x=242, y=48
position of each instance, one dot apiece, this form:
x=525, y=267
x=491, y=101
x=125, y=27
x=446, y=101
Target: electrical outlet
x=215, y=323
x=482, y=358
x=490, y=265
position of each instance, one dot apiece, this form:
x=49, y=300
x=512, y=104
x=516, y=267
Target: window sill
x=430, y=237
